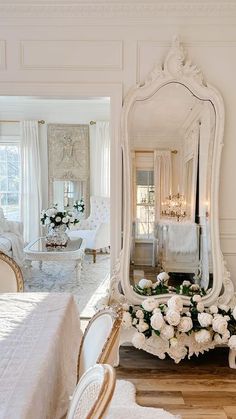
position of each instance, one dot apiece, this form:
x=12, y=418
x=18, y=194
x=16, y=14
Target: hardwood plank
x=199, y=388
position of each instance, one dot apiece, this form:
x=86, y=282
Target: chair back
x=100, y=339
x=11, y=278
x=93, y=393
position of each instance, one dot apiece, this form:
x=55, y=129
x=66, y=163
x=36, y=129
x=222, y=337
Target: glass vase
x=56, y=236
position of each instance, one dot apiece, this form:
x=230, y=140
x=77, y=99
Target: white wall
x=54, y=46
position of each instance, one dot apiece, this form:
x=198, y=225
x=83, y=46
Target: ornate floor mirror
x=172, y=137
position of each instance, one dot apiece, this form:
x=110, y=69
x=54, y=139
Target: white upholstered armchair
x=11, y=238
x=96, y=228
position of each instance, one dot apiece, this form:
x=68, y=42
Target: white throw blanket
x=17, y=245
x=183, y=237
x=123, y=405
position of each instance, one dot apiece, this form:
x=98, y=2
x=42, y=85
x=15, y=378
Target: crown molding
x=111, y=9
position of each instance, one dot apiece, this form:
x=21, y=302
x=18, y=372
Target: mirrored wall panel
x=171, y=136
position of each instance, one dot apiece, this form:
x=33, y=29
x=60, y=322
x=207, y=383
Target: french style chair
x=96, y=228
x=93, y=393
x=100, y=340
x=11, y=278
x=11, y=238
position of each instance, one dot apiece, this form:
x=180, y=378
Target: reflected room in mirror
x=171, y=138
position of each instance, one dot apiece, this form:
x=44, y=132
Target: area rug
x=61, y=277
x=123, y=405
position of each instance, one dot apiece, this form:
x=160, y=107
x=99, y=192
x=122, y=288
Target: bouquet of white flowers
x=79, y=205
x=52, y=217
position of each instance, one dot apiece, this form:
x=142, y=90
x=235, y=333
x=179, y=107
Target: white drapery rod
x=12, y=120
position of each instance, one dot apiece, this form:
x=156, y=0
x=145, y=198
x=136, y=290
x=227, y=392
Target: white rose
x=200, y=307
x=173, y=317
x=205, y=319
x=142, y=326
x=219, y=325
x=138, y=340
x=188, y=314
x=47, y=221
x=167, y=332
x=163, y=277
x=156, y=310
x=65, y=220
x=157, y=321
x=72, y=219
x=58, y=219
x=145, y=283
x=134, y=322
x=173, y=342
x=149, y=304
x=234, y=313
x=186, y=283
x=175, y=303
x=52, y=224
x=202, y=336
x=185, y=324
x=126, y=320
x=49, y=212
x=232, y=342
x=125, y=307
x=197, y=298
x=139, y=314
x=213, y=309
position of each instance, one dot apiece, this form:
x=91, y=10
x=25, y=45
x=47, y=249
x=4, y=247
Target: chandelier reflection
x=174, y=207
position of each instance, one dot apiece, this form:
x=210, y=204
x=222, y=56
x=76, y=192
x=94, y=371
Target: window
x=10, y=180
x=145, y=204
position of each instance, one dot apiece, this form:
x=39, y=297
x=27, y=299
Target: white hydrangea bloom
x=139, y=314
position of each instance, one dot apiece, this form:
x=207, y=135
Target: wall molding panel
x=71, y=54
x=105, y=9
x=3, y=63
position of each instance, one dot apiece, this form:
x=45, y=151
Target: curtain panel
x=31, y=191
x=100, y=160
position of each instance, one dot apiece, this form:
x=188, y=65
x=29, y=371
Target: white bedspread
x=39, y=343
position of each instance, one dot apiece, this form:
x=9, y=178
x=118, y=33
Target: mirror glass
x=66, y=192
x=171, y=136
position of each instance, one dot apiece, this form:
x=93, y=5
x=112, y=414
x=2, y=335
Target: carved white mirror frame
x=176, y=69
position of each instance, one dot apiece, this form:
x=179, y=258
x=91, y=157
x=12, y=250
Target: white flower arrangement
x=147, y=287
x=180, y=331
x=52, y=217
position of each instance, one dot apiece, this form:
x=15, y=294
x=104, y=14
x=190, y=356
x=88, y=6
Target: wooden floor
x=199, y=388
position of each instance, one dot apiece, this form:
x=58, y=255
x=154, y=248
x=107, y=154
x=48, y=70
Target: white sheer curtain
x=100, y=160
x=162, y=178
x=30, y=180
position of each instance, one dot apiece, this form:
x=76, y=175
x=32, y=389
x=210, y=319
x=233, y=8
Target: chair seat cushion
x=5, y=244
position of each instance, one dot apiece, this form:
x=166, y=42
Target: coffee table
x=38, y=251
